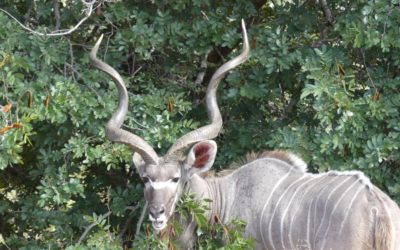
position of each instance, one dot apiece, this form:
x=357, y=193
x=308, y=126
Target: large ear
x=201, y=157
x=138, y=162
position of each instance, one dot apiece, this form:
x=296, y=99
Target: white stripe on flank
x=268, y=200
x=308, y=224
x=298, y=207
x=286, y=210
x=315, y=201
x=276, y=208
x=321, y=192
x=349, y=208
x=333, y=211
x=326, y=205
x=389, y=220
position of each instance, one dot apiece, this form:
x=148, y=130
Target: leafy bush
x=322, y=81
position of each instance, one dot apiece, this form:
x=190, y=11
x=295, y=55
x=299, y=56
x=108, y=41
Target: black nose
x=156, y=210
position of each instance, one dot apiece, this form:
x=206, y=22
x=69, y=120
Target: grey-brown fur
x=288, y=209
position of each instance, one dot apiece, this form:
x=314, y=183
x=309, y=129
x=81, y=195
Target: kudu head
x=165, y=177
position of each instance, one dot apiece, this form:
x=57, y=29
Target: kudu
x=284, y=206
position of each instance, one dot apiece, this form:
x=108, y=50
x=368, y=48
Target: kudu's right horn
x=211, y=130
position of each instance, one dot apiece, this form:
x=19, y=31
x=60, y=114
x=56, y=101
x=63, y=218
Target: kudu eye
x=176, y=179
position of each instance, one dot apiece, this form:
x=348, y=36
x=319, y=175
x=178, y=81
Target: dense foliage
x=323, y=81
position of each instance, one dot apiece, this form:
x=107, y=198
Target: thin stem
x=140, y=222
x=88, y=228
x=128, y=221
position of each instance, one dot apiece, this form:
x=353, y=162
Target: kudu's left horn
x=114, y=132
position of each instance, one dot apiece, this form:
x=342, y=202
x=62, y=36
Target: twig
x=128, y=221
x=28, y=13
x=133, y=64
x=329, y=22
x=108, y=203
x=140, y=222
x=330, y=19
x=71, y=54
x=138, y=123
x=136, y=71
x=79, y=76
x=366, y=68
x=56, y=6
x=89, y=10
x=88, y=228
x=220, y=55
x=289, y=108
x=200, y=77
x=54, y=33
x=106, y=215
x=4, y=243
x=203, y=69
x=108, y=43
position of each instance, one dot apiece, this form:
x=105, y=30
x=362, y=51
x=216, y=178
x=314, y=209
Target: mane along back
x=287, y=157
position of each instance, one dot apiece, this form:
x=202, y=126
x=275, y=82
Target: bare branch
x=220, y=54
x=90, y=6
x=128, y=221
x=56, y=6
x=139, y=224
x=87, y=230
x=200, y=77
x=330, y=19
x=71, y=54
x=3, y=242
x=329, y=22
x=106, y=215
x=203, y=69
x=136, y=71
x=362, y=51
x=27, y=16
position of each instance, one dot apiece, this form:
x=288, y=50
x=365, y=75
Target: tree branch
x=56, y=6
x=203, y=69
x=71, y=54
x=139, y=224
x=200, y=77
x=330, y=19
x=88, y=228
x=90, y=6
x=27, y=16
x=329, y=22
x=128, y=221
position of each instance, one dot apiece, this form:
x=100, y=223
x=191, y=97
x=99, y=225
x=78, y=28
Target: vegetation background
x=323, y=81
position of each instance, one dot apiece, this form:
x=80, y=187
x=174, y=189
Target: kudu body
x=284, y=206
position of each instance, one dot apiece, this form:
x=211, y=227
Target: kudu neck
x=210, y=188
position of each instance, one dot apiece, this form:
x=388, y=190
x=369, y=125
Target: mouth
x=159, y=225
